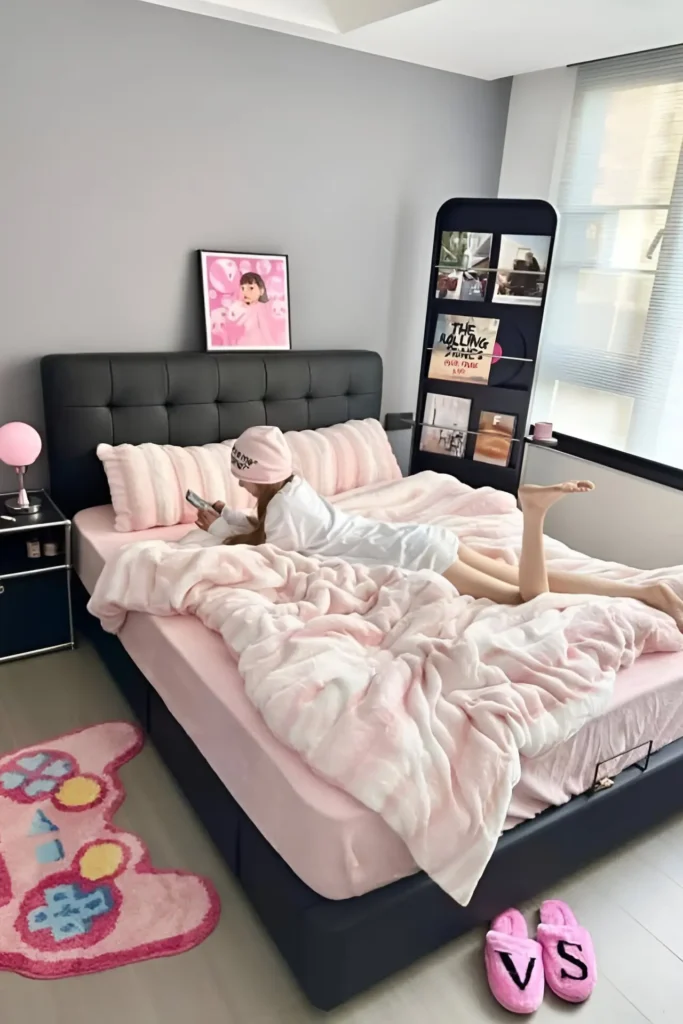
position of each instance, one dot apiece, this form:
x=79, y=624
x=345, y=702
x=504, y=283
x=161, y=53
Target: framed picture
x=246, y=301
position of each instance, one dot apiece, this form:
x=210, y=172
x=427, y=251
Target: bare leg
x=474, y=583
x=532, y=577
x=535, y=502
x=657, y=595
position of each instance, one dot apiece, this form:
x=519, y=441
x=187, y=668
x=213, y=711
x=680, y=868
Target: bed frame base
x=337, y=949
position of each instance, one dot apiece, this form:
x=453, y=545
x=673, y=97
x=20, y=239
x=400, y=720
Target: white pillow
x=344, y=457
x=148, y=482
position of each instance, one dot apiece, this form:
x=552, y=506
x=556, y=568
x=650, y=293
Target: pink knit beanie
x=261, y=455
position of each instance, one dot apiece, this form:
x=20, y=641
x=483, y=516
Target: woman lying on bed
x=291, y=515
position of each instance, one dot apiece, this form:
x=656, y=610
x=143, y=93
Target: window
x=611, y=364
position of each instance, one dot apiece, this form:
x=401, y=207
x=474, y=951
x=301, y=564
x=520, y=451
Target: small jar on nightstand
x=35, y=580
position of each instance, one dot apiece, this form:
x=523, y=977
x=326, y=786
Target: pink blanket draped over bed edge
x=416, y=701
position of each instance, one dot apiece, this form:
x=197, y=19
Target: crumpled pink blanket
x=415, y=700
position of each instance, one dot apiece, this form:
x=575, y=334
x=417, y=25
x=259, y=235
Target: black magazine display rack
x=487, y=293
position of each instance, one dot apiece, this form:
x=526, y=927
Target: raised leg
x=656, y=595
x=532, y=577
x=535, y=502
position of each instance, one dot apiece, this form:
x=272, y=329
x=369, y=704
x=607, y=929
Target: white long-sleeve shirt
x=230, y=522
x=299, y=519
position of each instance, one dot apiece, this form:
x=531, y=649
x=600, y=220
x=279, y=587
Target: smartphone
x=198, y=502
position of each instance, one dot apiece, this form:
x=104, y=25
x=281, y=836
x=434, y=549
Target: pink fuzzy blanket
x=415, y=700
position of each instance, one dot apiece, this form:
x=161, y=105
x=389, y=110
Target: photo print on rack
x=464, y=263
x=445, y=423
x=494, y=438
x=522, y=269
x=463, y=348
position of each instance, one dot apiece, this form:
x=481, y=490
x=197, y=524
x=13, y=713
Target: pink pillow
x=148, y=482
x=344, y=457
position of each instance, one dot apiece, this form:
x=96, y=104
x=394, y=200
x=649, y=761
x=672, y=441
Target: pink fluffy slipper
x=514, y=964
x=568, y=954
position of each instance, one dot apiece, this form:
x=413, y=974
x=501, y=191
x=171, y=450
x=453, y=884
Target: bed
x=339, y=894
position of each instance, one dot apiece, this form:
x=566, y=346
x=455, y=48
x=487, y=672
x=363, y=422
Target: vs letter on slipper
x=514, y=964
x=568, y=954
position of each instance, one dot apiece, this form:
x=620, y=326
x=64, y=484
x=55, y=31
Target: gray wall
x=133, y=135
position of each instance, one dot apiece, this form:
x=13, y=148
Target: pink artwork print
x=246, y=301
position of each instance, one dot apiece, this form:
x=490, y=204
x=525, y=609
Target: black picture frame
x=235, y=321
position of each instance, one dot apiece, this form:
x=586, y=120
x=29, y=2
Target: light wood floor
x=632, y=902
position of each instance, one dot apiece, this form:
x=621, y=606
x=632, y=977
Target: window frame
x=613, y=458
x=617, y=369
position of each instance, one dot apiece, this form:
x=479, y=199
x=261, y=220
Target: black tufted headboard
x=193, y=398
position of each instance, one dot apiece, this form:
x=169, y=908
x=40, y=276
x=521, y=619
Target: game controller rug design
x=78, y=894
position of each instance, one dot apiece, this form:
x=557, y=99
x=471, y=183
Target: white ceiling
x=483, y=38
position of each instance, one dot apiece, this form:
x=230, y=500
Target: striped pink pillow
x=343, y=457
x=148, y=482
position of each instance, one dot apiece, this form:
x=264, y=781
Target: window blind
x=611, y=365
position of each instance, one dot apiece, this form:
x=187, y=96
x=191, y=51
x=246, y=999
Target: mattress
x=335, y=845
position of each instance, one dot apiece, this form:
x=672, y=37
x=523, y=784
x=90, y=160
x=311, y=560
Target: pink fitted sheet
x=334, y=844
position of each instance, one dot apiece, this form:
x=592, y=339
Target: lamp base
x=18, y=508
x=21, y=504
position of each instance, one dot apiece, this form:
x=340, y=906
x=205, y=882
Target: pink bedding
x=335, y=845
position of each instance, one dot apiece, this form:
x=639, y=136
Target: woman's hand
x=206, y=516
x=219, y=506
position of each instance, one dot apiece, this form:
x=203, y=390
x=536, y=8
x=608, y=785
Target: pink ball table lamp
x=20, y=446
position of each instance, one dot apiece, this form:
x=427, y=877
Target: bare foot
x=661, y=596
x=533, y=498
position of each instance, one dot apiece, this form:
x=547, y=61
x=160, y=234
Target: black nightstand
x=35, y=581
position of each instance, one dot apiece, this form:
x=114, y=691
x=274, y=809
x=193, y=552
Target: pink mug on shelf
x=543, y=432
